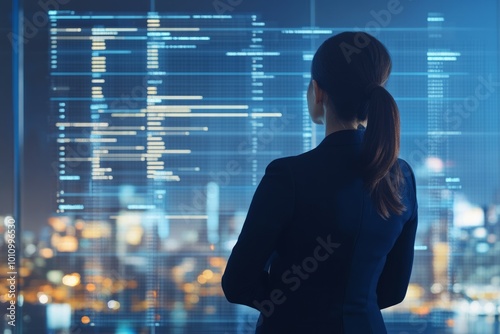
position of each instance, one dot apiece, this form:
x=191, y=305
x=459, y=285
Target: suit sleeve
x=395, y=277
x=245, y=280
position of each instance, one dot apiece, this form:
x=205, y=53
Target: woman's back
x=330, y=245
x=329, y=236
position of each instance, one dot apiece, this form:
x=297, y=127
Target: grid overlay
x=164, y=125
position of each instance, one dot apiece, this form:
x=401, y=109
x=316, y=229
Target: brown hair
x=352, y=68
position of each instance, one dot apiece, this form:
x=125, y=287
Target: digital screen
x=159, y=125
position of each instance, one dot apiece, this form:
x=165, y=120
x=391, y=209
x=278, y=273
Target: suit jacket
x=313, y=255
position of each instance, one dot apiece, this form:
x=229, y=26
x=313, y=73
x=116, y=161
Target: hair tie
x=371, y=88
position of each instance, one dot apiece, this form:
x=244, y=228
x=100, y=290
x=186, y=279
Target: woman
x=328, y=240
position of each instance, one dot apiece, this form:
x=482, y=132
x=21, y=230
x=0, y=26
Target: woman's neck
x=333, y=124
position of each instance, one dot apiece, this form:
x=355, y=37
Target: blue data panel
x=162, y=125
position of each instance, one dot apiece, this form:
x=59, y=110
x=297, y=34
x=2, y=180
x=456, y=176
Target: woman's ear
x=319, y=94
x=315, y=97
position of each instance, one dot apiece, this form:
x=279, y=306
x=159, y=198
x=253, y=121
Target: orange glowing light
x=60, y=294
x=85, y=319
x=192, y=299
x=58, y=224
x=208, y=274
x=46, y=253
x=107, y=282
x=47, y=288
x=24, y=272
x=216, y=262
x=71, y=279
x=96, y=230
x=66, y=243
x=188, y=288
x=422, y=310
x=79, y=224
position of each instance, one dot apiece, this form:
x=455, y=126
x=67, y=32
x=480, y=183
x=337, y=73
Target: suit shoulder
x=280, y=163
x=406, y=169
x=409, y=183
x=293, y=160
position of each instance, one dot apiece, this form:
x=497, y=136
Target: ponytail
x=382, y=175
x=352, y=77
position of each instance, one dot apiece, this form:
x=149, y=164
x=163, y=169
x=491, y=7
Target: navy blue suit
x=313, y=255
